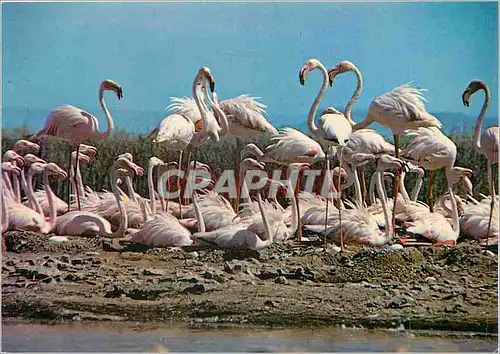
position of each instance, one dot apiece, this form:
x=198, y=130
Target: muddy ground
x=437, y=288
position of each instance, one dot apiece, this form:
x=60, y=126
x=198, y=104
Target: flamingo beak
x=465, y=98
x=302, y=75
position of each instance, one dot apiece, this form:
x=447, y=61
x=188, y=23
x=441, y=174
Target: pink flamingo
x=490, y=139
x=82, y=222
x=76, y=125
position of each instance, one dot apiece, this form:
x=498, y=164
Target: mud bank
x=428, y=288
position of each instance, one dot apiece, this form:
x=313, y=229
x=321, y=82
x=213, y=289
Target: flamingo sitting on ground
x=490, y=139
x=82, y=222
x=76, y=126
x=12, y=186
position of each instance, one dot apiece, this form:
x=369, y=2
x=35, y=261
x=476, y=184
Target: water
x=21, y=337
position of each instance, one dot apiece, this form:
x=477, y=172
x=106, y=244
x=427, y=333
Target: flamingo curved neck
x=357, y=187
x=31, y=194
x=454, y=208
x=269, y=238
x=7, y=183
x=201, y=105
x=79, y=181
x=402, y=187
x=480, y=119
x=199, y=216
x=111, y=124
x=123, y=213
x=314, y=108
x=383, y=201
x=348, y=108
x=130, y=188
x=50, y=199
x=416, y=189
x=5, y=216
x=24, y=186
x=17, y=189
x=221, y=118
x=151, y=189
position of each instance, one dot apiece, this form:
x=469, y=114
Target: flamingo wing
x=246, y=116
x=70, y=123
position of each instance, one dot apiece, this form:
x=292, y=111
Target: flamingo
x=7, y=167
x=20, y=216
x=12, y=187
x=431, y=149
x=239, y=236
x=160, y=229
x=76, y=125
x=25, y=146
x=490, y=139
x=332, y=129
x=83, y=222
x=399, y=109
x=177, y=130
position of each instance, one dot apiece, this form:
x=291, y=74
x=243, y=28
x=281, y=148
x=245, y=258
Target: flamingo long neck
x=123, y=213
x=111, y=124
x=201, y=105
x=348, y=108
x=454, y=208
x=17, y=188
x=442, y=202
x=31, y=194
x=221, y=118
x=24, y=186
x=314, y=108
x=5, y=214
x=199, y=216
x=151, y=189
x=416, y=188
x=7, y=184
x=241, y=189
x=480, y=119
x=269, y=235
x=72, y=176
x=50, y=199
x=402, y=187
x=79, y=181
x=130, y=188
x=383, y=201
x=357, y=187
x=295, y=210
x=373, y=181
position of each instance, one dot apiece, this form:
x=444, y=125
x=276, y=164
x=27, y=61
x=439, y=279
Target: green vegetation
x=219, y=157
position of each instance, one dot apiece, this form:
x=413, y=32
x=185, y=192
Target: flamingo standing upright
x=490, y=139
x=332, y=129
x=399, y=109
x=76, y=125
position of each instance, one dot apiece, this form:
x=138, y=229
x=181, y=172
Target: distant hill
x=142, y=121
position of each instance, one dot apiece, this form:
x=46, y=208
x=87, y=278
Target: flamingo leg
x=69, y=182
x=447, y=242
x=492, y=205
x=339, y=191
x=184, y=184
x=179, y=186
x=296, y=192
x=430, y=194
x=326, y=175
x=397, y=181
x=237, y=164
x=74, y=178
x=361, y=170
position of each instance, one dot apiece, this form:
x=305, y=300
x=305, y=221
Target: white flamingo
x=490, y=139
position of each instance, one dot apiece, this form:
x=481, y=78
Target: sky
x=58, y=53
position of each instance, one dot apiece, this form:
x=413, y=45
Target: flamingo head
x=342, y=67
x=123, y=162
x=54, y=170
x=36, y=168
x=300, y=166
x=311, y=64
x=251, y=150
x=249, y=163
x=30, y=158
x=82, y=158
x=474, y=86
x=8, y=166
x=200, y=166
x=205, y=73
x=111, y=85
x=26, y=146
x=12, y=156
x=127, y=155
x=88, y=150
x=154, y=161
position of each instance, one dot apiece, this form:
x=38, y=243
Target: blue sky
x=57, y=53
